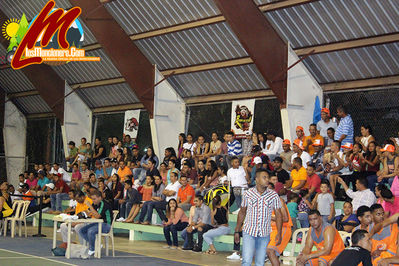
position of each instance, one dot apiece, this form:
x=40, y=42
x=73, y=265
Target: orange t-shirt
x=147, y=193
x=28, y=194
x=80, y=207
x=311, y=147
x=183, y=194
x=123, y=173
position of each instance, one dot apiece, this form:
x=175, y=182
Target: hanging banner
x=242, y=116
x=131, y=125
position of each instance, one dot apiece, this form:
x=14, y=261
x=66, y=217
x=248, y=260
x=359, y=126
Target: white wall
x=15, y=128
x=302, y=90
x=169, y=116
x=77, y=119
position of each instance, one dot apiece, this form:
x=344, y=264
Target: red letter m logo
x=49, y=24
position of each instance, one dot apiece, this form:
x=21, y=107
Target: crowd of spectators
x=327, y=163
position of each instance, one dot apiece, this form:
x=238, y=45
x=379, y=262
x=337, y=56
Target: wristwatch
x=193, y=227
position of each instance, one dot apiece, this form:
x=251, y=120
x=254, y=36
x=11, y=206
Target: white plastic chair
x=110, y=235
x=21, y=208
x=346, y=236
x=292, y=256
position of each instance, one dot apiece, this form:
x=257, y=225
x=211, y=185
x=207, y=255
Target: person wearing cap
x=73, y=153
x=299, y=152
x=344, y=131
x=390, y=168
x=257, y=161
x=325, y=123
x=275, y=147
x=282, y=175
x=300, y=133
x=286, y=154
x=309, y=140
x=317, y=157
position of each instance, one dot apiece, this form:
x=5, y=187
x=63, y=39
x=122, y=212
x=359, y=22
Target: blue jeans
x=254, y=246
x=124, y=209
x=173, y=228
x=373, y=179
x=185, y=238
x=148, y=208
x=303, y=219
x=56, y=201
x=89, y=232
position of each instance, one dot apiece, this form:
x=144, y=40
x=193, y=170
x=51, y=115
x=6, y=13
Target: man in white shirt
x=171, y=189
x=274, y=147
x=299, y=152
x=325, y=123
x=239, y=180
x=363, y=195
x=56, y=169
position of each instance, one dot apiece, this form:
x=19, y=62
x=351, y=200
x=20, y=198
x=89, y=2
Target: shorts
x=285, y=239
x=322, y=260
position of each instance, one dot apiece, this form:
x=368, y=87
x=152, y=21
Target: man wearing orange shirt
x=123, y=171
x=298, y=175
x=185, y=195
x=309, y=140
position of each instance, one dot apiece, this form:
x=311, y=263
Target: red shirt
x=61, y=183
x=183, y=194
x=31, y=184
x=314, y=181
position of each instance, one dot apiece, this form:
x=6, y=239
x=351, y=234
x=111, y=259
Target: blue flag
x=317, y=111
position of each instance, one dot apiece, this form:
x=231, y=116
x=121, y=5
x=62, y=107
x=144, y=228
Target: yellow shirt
x=298, y=176
x=310, y=146
x=82, y=206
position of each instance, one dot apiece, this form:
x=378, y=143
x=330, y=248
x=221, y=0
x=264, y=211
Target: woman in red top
x=177, y=221
x=146, y=192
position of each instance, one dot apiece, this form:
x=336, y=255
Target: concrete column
x=169, y=116
x=14, y=134
x=302, y=89
x=77, y=119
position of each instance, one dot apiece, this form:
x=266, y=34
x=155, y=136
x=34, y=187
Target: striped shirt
x=234, y=148
x=259, y=211
x=345, y=127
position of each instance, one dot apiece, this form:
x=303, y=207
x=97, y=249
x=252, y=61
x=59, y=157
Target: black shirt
x=105, y=210
x=352, y=256
x=282, y=176
x=153, y=172
x=136, y=159
x=96, y=150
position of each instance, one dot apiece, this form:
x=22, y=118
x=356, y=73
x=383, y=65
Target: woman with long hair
x=117, y=190
x=157, y=199
x=127, y=156
x=366, y=137
x=371, y=159
x=182, y=140
x=211, y=177
x=149, y=154
x=262, y=140
x=177, y=221
x=170, y=154
x=146, y=192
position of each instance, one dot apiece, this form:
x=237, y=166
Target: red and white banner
x=242, y=117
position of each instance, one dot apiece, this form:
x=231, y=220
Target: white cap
x=50, y=185
x=257, y=160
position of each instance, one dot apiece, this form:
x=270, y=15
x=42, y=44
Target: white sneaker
x=234, y=256
x=121, y=219
x=236, y=212
x=91, y=252
x=59, y=230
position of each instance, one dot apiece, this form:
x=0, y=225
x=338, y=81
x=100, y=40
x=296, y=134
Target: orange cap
x=287, y=141
x=298, y=142
x=389, y=148
x=326, y=110
x=299, y=128
x=317, y=142
x=347, y=145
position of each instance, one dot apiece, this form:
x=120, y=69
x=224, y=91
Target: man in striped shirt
x=344, y=131
x=233, y=146
x=256, y=210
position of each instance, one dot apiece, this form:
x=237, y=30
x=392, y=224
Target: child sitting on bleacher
x=304, y=206
x=324, y=203
x=292, y=206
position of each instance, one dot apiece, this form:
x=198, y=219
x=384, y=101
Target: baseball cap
x=299, y=128
x=317, y=142
x=347, y=145
x=298, y=142
x=278, y=159
x=325, y=110
x=287, y=142
x=50, y=185
x=388, y=147
x=257, y=160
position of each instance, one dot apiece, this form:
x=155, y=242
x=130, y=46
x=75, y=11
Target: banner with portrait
x=242, y=117
x=131, y=123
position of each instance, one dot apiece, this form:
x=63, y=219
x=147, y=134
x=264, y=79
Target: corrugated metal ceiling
x=14, y=81
x=78, y=72
x=329, y=21
x=141, y=16
x=218, y=81
x=15, y=9
x=101, y=96
x=210, y=43
x=32, y=105
x=359, y=63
